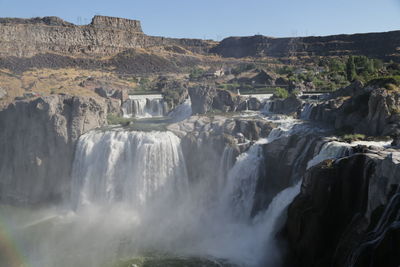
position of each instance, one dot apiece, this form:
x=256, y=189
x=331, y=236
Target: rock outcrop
x=104, y=36
x=206, y=98
x=202, y=98
x=204, y=140
x=288, y=105
x=369, y=110
x=377, y=45
x=285, y=162
x=347, y=213
x=37, y=143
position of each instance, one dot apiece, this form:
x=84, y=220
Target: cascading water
x=143, y=106
x=307, y=111
x=330, y=150
x=127, y=166
x=131, y=196
x=182, y=111
x=238, y=192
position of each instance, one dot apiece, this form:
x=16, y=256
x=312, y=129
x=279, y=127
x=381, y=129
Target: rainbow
x=10, y=256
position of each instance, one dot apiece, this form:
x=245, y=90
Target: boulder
x=225, y=101
x=286, y=106
x=202, y=97
x=101, y=92
x=254, y=104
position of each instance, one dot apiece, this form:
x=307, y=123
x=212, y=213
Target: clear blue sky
x=216, y=19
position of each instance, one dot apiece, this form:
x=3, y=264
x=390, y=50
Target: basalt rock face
x=379, y=45
x=104, y=36
x=37, y=143
x=206, y=98
x=370, y=111
x=285, y=106
x=202, y=98
x=347, y=213
x=285, y=162
x=204, y=140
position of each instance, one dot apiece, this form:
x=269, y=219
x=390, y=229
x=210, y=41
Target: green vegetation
x=231, y=86
x=144, y=84
x=242, y=68
x=362, y=68
x=353, y=137
x=280, y=93
x=114, y=119
x=388, y=82
x=173, y=97
x=295, y=92
x=285, y=70
x=168, y=261
x=196, y=73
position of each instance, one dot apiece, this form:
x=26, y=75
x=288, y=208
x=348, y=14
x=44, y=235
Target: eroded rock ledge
x=37, y=144
x=347, y=213
x=104, y=36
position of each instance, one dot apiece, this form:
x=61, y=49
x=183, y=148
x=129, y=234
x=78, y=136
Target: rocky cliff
x=104, y=36
x=37, y=144
x=347, y=213
x=378, y=45
x=206, y=140
x=285, y=162
x=108, y=36
x=361, y=109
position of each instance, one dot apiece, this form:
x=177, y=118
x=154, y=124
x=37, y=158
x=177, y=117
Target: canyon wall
x=108, y=36
x=347, y=213
x=385, y=45
x=37, y=144
x=104, y=36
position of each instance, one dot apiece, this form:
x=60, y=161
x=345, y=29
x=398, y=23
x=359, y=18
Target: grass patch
x=353, y=137
x=361, y=137
x=280, y=93
x=169, y=261
x=388, y=82
x=114, y=119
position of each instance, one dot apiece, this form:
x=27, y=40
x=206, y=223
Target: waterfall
x=267, y=107
x=389, y=220
x=131, y=167
x=307, y=111
x=238, y=193
x=330, y=150
x=143, y=106
x=227, y=161
x=131, y=195
x=181, y=112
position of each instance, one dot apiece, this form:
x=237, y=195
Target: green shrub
x=386, y=81
x=196, y=73
x=353, y=137
x=295, y=92
x=281, y=93
x=114, y=119
x=242, y=68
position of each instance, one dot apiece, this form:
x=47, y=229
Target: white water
x=131, y=195
x=143, y=106
x=261, y=97
x=335, y=150
x=306, y=111
x=130, y=167
x=181, y=112
x=330, y=150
